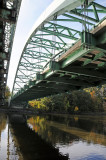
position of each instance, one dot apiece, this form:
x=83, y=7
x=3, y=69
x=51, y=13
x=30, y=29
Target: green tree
x=83, y=101
x=7, y=92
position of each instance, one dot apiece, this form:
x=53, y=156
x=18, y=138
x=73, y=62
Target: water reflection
x=80, y=138
x=31, y=144
x=83, y=151
x=8, y=151
x=47, y=131
x=52, y=137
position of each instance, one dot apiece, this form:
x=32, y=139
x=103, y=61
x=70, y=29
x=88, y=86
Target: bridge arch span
x=53, y=34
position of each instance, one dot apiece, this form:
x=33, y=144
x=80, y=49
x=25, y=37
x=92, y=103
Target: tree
x=82, y=100
x=7, y=92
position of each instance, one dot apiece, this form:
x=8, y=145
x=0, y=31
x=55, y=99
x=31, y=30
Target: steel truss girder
x=63, y=27
x=46, y=40
x=40, y=48
x=82, y=15
x=43, y=45
x=35, y=56
x=31, y=65
x=72, y=18
x=58, y=34
x=34, y=53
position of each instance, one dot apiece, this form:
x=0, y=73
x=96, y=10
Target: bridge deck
x=83, y=65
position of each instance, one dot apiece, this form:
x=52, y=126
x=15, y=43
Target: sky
x=29, y=12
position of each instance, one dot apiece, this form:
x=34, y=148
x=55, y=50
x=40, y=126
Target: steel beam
x=75, y=55
x=59, y=34
x=86, y=72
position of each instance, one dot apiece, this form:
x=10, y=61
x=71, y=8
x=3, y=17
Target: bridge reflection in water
x=23, y=143
x=52, y=137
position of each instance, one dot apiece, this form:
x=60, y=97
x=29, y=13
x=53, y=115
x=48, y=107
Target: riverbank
x=34, y=112
x=19, y=111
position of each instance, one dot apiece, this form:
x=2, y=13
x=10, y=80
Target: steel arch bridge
x=65, y=50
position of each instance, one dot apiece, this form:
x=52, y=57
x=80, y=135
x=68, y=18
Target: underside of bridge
x=65, y=51
x=9, y=10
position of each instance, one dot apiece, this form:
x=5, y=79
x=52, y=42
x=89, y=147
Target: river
x=54, y=137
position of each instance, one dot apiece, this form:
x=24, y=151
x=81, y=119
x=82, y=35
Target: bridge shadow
x=32, y=146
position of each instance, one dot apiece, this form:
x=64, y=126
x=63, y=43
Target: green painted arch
x=57, y=29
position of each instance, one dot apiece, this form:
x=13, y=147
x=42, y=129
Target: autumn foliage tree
x=79, y=101
x=97, y=98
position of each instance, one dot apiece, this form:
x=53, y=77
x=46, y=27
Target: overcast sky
x=29, y=12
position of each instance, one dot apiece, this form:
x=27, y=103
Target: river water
x=52, y=137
